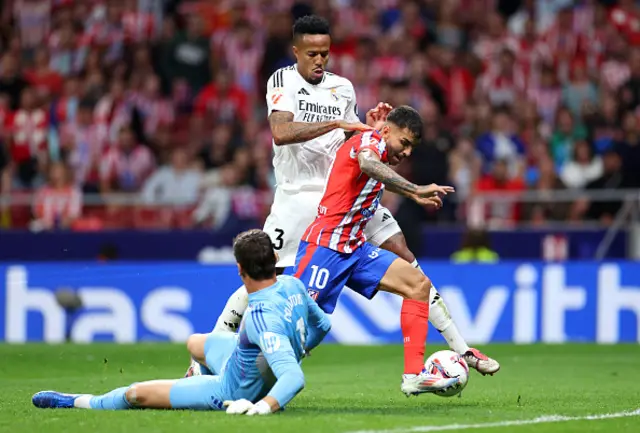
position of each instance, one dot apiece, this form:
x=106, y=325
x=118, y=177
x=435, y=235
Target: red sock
x=414, y=321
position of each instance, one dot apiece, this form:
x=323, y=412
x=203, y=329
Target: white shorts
x=292, y=212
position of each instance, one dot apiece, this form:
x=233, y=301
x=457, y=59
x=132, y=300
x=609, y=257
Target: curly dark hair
x=403, y=117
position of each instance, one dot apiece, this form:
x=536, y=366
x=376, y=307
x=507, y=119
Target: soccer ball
x=447, y=363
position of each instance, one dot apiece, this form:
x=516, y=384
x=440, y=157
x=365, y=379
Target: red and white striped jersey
x=128, y=170
x=52, y=203
x=488, y=48
x=613, y=74
x=155, y=111
x=87, y=143
x=29, y=132
x=547, y=100
x=138, y=26
x=594, y=46
x=501, y=88
x=112, y=115
x=350, y=198
x=627, y=22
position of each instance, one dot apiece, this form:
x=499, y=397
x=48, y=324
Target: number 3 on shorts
x=279, y=241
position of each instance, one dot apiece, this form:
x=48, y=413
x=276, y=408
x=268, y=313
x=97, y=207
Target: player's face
x=312, y=55
x=400, y=143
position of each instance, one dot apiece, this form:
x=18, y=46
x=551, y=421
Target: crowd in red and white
x=164, y=100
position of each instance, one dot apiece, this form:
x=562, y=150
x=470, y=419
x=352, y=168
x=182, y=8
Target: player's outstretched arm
x=286, y=131
x=277, y=350
x=286, y=368
x=371, y=165
x=429, y=195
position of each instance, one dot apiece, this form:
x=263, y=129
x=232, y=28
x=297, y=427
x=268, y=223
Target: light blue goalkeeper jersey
x=280, y=323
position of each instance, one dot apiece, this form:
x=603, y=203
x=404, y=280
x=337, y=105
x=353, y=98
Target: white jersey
x=305, y=166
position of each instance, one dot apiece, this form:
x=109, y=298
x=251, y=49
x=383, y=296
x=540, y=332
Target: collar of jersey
x=265, y=291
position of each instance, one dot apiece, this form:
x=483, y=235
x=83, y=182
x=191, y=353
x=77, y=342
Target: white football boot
x=425, y=382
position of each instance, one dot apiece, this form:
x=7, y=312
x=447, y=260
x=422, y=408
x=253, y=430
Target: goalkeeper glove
x=243, y=406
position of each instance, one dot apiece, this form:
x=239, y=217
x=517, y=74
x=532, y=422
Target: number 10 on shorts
x=319, y=278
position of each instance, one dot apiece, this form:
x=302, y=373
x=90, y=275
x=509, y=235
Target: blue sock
x=114, y=400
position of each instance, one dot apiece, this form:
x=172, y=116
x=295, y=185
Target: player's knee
x=425, y=289
x=195, y=345
x=134, y=396
x=419, y=288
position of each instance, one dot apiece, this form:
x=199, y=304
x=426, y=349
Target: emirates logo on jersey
x=315, y=112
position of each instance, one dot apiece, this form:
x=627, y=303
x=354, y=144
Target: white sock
x=440, y=318
x=232, y=313
x=83, y=402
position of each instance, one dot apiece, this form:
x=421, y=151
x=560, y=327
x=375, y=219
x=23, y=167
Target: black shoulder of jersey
x=277, y=79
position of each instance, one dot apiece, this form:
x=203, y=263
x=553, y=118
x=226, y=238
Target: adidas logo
x=385, y=217
x=303, y=92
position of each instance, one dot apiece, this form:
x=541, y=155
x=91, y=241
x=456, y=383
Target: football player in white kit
x=311, y=112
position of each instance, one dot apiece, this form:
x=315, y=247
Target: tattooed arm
x=428, y=195
x=371, y=165
x=286, y=131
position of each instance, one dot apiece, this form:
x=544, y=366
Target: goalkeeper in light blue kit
x=256, y=371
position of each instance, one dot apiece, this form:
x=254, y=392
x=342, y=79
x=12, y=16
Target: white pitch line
x=540, y=420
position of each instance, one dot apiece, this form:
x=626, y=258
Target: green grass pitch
x=348, y=389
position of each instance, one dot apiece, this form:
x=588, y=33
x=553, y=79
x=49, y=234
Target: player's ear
x=277, y=256
x=239, y=269
x=384, y=131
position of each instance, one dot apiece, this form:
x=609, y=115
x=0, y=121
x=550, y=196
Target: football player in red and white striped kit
x=334, y=253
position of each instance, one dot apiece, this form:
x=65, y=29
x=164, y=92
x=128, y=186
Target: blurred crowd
x=164, y=100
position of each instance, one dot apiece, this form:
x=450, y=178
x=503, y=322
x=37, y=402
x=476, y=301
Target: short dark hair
x=310, y=25
x=85, y=104
x=407, y=117
x=254, y=253
x=502, y=109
